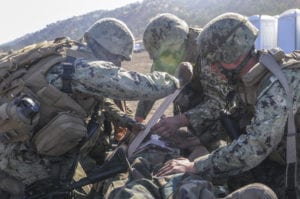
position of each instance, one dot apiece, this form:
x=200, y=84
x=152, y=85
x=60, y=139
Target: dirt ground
x=142, y=63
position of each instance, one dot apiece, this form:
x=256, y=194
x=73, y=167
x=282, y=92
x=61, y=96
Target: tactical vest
x=31, y=108
x=256, y=82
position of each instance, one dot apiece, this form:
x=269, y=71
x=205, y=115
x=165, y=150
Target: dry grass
x=142, y=63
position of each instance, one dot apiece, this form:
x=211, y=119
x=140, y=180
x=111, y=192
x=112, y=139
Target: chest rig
x=32, y=109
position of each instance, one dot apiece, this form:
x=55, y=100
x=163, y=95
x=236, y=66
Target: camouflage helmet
x=113, y=35
x=164, y=30
x=227, y=37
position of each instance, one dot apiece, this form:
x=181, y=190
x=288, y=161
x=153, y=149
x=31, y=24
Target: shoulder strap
x=291, y=157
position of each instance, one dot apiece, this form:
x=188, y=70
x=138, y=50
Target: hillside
x=136, y=16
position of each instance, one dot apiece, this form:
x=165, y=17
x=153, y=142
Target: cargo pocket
x=60, y=135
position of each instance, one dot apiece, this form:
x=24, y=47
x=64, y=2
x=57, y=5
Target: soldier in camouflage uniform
x=141, y=183
x=45, y=122
x=259, y=154
x=146, y=162
x=169, y=41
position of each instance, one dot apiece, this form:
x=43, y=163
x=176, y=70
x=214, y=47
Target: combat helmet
x=226, y=38
x=113, y=35
x=163, y=31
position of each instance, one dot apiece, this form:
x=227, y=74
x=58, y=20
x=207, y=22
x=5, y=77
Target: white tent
x=267, y=25
x=281, y=30
x=289, y=30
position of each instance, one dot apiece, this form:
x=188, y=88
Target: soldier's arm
x=104, y=79
x=115, y=114
x=263, y=135
x=143, y=109
x=203, y=114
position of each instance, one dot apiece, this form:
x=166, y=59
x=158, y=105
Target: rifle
x=54, y=189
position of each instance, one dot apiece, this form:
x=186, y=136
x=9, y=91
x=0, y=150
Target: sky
x=19, y=17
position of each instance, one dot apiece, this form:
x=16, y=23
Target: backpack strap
x=291, y=157
x=66, y=77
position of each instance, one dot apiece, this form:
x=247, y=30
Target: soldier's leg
x=255, y=190
x=140, y=188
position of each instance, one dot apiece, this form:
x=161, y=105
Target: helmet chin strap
x=233, y=74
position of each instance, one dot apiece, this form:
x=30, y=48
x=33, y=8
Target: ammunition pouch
x=60, y=135
x=18, y=118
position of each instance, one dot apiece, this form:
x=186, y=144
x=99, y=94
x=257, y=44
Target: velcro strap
x=68, y=70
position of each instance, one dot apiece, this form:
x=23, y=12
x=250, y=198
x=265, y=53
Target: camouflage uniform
x=193, y=187
x=203, y=98
x=258, y=155
x=142, y=183
x=103, y=79
x=91, y=81
x=158, y=37
x=265, y=139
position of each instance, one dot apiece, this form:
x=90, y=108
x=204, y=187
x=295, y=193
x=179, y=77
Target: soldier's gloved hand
x=135, y=126
x=184, y=73
x=169, y=125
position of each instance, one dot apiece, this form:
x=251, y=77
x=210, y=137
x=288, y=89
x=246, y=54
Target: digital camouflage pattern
x=140, y=180
x=143, y=184
x=113, y=35
x=219, y=43
x=202, y=99
x=21, y=161
x=204, y=117
x=100, y=78
x=265, y=135
x=189, y=37
x=164, y=31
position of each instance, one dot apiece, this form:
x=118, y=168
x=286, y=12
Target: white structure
x=267, y=26
x=281, y=30
x=289, y=30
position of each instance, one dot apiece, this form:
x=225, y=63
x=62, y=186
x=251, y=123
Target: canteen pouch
x=60, y=135
x=18, y=118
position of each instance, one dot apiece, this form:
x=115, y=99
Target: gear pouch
x=17, y=121
x=60, y=135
